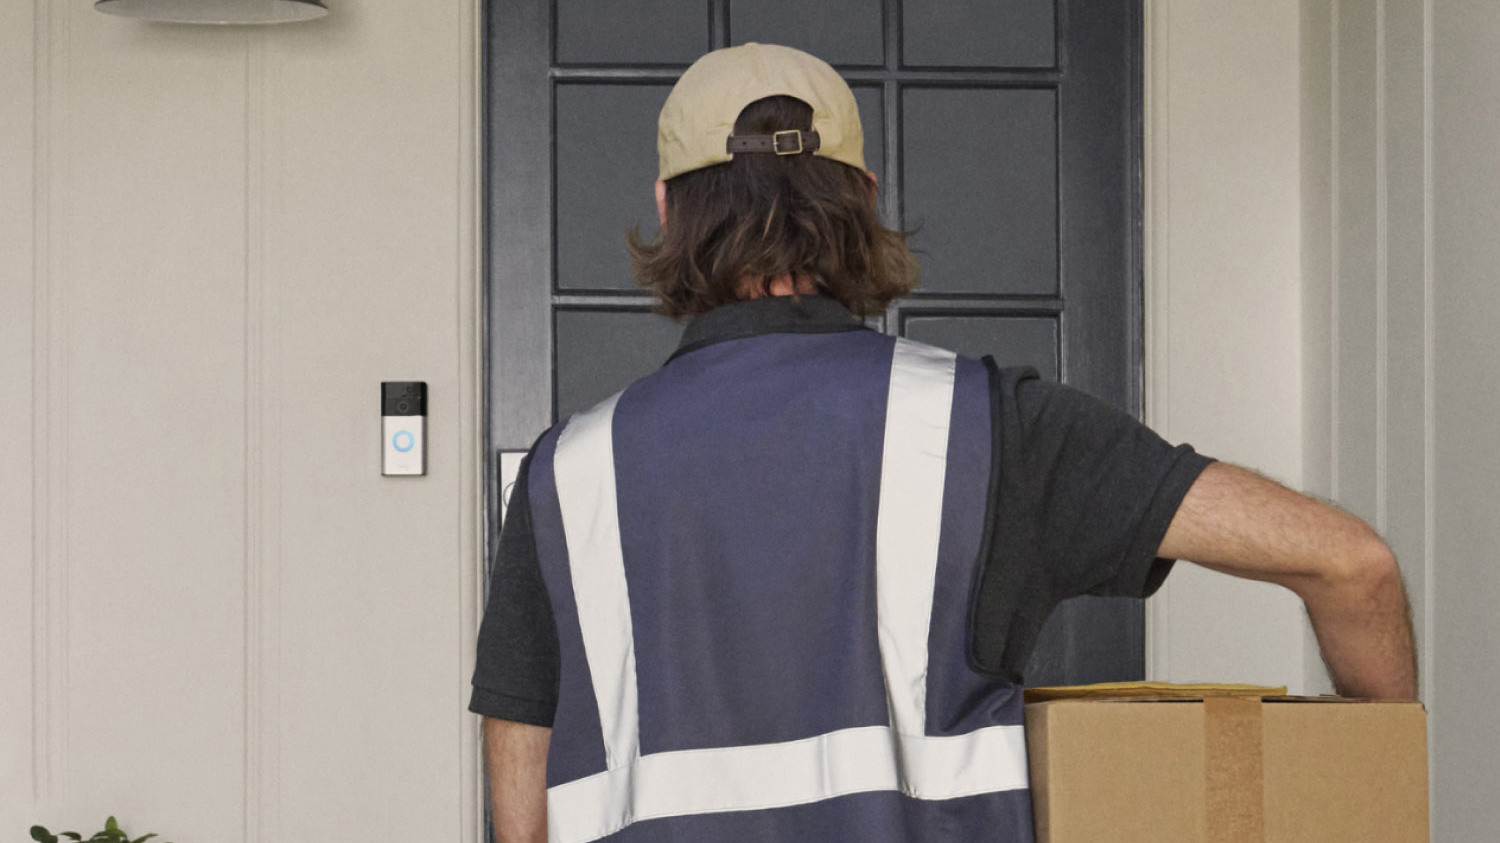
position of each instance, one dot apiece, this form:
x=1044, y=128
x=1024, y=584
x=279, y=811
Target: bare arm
x=1238, y=522
x=516, y=756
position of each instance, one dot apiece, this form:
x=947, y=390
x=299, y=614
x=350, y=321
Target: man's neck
x=781, y=285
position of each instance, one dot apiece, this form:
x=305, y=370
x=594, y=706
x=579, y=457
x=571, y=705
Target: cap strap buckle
x=795, y=141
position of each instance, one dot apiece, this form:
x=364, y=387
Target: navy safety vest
x=760, y=560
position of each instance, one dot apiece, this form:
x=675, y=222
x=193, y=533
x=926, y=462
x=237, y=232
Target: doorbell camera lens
x=403, y=398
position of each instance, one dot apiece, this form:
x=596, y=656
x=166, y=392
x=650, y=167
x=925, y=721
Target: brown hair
x=763, y=215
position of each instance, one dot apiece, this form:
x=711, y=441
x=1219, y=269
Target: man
x=783, y=588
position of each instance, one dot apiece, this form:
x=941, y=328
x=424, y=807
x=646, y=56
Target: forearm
x=516, y=758
x=1363, y=626
x=1241, y=523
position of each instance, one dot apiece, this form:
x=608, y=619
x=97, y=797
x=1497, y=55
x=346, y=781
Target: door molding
x=1223, y=94
x=1155, y=307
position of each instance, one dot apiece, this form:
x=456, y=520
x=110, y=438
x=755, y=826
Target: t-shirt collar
x=764, y=315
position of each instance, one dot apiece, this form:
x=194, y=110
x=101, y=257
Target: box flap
x=1155, y=690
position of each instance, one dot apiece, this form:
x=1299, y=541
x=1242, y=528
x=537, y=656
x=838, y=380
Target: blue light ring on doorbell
x=403, y=417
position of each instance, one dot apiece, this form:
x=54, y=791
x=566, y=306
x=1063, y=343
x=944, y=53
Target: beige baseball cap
x=698, y=118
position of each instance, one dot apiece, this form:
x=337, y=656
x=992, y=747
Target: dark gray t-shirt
x=1080, y=495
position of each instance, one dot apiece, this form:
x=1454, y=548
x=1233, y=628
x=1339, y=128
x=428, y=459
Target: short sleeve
x=1105, y=488
x=517, y=659
x=1081, y=494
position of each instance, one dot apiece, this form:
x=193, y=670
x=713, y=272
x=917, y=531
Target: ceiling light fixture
x=215, y=11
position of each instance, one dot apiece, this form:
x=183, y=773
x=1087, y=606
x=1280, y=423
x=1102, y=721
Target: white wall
x=1403, y=200
x=1365, y=268
x=1224, y=326
x=1322, y=208
x=1463, y=589
x=217, y=620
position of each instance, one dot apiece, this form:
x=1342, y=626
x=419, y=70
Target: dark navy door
x=1008, y=131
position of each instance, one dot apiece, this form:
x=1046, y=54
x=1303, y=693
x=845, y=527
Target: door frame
x=1217, y=76
x=1166, y=621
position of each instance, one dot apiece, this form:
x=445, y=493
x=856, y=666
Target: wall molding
x=1156, y=293
x=1334, y=253
x=1382, y=281
x=473, y=461
x=1429, y=378
x=50, y=409
x=262, y=552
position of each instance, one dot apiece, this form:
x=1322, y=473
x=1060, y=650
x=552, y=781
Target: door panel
x=844, y=33
x=871, y=102
x=595, y=32
x=1008, y=131
x=605, y=157
x=1018, y=340
x=979, y=170
x=978, y=33
x=592, y=362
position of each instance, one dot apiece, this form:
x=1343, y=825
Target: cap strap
x=785, y=142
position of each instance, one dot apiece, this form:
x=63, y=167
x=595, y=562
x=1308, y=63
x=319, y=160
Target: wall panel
x=1409, y=207
x=1464, y=308
x=216, y=243
x=23, y=599
x=150, y=214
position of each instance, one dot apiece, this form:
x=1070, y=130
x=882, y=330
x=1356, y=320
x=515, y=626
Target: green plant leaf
x=111, y=825
x=72, y=835
x=142, y=839
x=42, y=835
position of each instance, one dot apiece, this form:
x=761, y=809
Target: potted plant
x=112, y=833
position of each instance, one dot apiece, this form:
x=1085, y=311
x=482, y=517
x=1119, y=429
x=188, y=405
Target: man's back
x=755, y=595
x=782, y=600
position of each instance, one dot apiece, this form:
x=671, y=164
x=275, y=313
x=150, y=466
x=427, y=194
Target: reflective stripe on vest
x=899, y=757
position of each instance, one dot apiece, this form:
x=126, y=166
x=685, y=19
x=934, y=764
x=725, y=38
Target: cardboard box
x=1224, y=764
